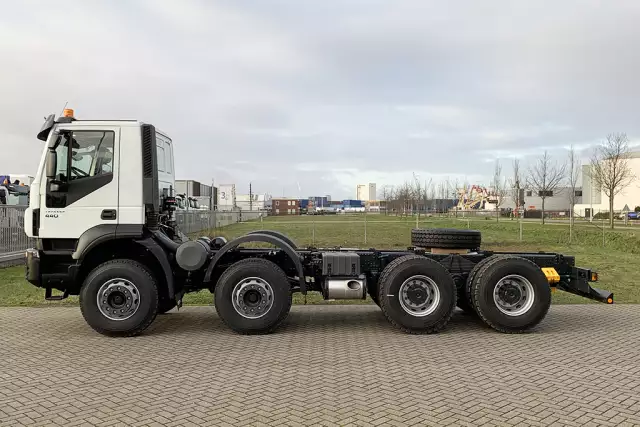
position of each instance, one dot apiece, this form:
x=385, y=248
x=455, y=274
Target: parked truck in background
x=102, y=218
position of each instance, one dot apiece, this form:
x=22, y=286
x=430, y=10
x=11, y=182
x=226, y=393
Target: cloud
x=326, y=94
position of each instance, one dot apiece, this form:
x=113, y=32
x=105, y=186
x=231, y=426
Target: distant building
x=320, y=201
x=366, y=192
x=373, y=206
x=557, y=200
x=253, y=202
x=226, y=197
x=284, y=206
x=594, y=200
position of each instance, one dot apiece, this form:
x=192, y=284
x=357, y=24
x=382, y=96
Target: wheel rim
x=419, y=296
x=118, y=299
x=513, y=295
x=252, y=297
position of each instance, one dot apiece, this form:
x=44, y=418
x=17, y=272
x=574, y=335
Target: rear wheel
x=464, y=296
x=119, y=298
x=253, y=296
x=417, y=294
x=510, y=294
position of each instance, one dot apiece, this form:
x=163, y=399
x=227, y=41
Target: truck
x=14, y=189
x=189, y=203
x=101, y=214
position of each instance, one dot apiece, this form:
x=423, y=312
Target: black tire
x=464, y=296
x=281, y=294
x=474, y=272
x=446, y=238
x=484, y=284
x=145, y=287
x=392, y=279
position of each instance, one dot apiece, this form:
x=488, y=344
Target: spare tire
x=446, y=238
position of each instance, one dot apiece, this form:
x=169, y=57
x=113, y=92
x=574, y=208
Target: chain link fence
x=191, y=222
x=13, y=240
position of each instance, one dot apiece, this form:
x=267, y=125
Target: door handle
x=108, y=214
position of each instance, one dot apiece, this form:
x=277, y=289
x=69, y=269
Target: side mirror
x=52, y=164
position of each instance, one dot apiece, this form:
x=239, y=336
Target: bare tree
x=387, y=196
x=429, y=194
x=573, y=175
x=403, y=198
x=392, y=197
x=545, y=177
x=516, y=186
x=499, y=185
x=610, y=167
x=452, y=191
x=442, y=195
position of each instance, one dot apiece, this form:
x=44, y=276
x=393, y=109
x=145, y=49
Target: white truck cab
x=102, y=188
x=90, y=177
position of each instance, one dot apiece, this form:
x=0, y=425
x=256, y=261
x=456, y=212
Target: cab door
x=84, y=193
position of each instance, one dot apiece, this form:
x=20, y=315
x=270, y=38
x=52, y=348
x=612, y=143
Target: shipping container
x=320, y=201
x=352, y=203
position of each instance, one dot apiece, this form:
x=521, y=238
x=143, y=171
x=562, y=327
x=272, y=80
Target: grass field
x=618, y=261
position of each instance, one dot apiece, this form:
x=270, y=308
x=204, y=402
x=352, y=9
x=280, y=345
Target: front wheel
x=119, y=298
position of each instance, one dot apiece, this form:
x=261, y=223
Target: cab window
x=91, y=155
x=160, y=155
x=169, y=157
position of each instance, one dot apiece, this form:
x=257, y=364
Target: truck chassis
x=123, y=286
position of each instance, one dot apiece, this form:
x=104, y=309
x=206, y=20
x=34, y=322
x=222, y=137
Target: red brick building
x=282, y=207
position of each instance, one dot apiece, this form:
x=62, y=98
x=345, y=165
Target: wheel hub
x=419, y=296
x=252, y=297
x=118, y=299
x=513, y=295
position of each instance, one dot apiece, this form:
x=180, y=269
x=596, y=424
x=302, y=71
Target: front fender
x=160, y=255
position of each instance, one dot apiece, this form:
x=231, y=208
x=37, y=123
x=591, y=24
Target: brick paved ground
x=332, y=365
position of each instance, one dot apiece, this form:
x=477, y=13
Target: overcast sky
x=322, y=95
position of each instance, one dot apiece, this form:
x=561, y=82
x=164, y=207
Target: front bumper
x=578, y=283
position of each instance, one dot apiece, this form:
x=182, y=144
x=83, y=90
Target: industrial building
x=558, y=200
x=594, y=199
x=252, y=202
x=366, y=192
x=230, y=200
x=226, y=200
